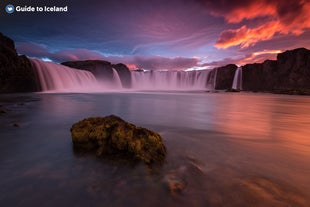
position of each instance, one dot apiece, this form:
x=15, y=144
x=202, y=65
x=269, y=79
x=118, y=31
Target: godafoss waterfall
x=223, y=149
x=59, y=78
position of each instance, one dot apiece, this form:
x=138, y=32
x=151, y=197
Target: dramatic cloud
x=246, y=37
x=255, y=57
x=258, y=57
x=161, y=34
x=273, y=17
x=132, y=61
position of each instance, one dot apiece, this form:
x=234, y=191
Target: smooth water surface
x=228, y=149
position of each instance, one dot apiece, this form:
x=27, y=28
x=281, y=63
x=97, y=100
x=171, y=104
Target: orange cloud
x=246, y=37
x=272, y=17
x=258, y=57
x=259, y=9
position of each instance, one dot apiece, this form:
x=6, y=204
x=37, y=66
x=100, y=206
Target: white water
x=170, y=80
x=237, y=83
x=55, y=77
x=58, y=78
x=116, y=79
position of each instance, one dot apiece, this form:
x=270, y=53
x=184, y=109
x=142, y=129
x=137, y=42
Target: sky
x=160, y=34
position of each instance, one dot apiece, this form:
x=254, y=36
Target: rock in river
x=112, y=135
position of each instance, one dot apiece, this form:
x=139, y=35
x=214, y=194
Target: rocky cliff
x=103, y=70
x=224, y=76
x=124, y=74
x=290, y=72
x=16, y=72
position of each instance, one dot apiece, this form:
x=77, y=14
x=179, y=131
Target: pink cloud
x=133, y=61
x=276, y=17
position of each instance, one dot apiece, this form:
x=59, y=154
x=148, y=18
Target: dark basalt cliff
x=290, y=72
x=16, y=72
x=224, y=76
x=124, y=74
x=100, y=68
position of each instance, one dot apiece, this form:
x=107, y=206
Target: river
x=228, y=149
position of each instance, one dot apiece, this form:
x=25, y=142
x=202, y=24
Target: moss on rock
x=112, y=135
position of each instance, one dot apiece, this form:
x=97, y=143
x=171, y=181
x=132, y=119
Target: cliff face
x=124, y=73
x=293, y=69
x=100, y=68
x=224, y=76
x=103, y=70
x=290, y=71
x=259, y=77
x=16, y=72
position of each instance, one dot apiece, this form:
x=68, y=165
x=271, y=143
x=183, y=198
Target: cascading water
x=237, y=83
x=116, y=79
x=59, y=78
x=170, y=80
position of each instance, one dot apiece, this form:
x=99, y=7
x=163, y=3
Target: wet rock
x=232, y=90
x=293, y=91
x=111, y=135
x=2, y=112
x=174, y=183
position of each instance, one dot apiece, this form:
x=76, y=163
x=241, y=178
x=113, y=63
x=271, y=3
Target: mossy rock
x=112, y=135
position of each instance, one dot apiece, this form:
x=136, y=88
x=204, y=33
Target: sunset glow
x=160, y=35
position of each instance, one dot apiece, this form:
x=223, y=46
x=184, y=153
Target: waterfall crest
x=59, y=78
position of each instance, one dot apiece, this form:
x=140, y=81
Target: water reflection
x=229, y=149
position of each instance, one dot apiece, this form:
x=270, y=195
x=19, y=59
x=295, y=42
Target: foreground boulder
x=112, y=135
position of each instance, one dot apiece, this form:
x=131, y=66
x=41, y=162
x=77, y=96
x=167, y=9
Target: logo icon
x=9, y=8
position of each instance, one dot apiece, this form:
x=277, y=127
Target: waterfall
x=237, y=83
x=116, y=79
x=170, y=80
x=59, y=78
